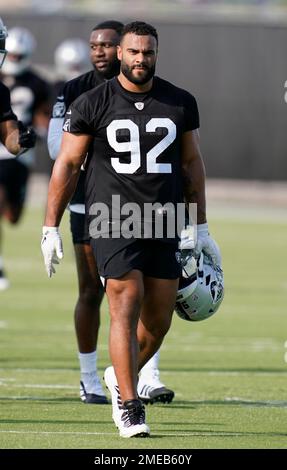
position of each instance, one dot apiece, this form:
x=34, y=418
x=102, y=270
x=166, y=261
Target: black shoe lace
x=119, y=400
x=133, y=414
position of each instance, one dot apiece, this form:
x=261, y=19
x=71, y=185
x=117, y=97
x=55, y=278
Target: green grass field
x=228, y=372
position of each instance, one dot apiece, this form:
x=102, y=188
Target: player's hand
x=52, y=248
x=206, y=244
x=27, y=136
x=187, y=240
x=186, y=246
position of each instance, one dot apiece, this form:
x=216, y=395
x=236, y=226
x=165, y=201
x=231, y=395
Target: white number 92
x=133, y=145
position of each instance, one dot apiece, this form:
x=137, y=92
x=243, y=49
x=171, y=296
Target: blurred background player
x=71, y=58
x=104, y=39
x=15, y=138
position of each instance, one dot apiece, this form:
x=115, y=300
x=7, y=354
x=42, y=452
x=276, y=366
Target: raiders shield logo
x=139, y=105
x=59, y=110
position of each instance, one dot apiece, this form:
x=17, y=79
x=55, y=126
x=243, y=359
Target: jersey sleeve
x=191, y=113
x=6, y=113
x=65, y=97
x=54, y=138
x=59, y=108
x=79, y=117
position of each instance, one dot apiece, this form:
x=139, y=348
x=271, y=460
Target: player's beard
x=128, y=73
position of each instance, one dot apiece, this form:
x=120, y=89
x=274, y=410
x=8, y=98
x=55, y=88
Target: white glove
x=52, y=248
x=187, y=240
x=206, y=244
x=186, y=246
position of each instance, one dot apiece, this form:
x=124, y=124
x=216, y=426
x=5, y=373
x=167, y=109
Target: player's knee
x=125, y=305
x=159, y=327
x=91, y=296
x=13, y=213
x=130, y=300
x=13, y=218
x=131, y=291
x=160, y=330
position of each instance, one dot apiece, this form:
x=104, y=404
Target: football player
x=72, y=58
x=15, y=139
x=145, y=148
x=103, y=51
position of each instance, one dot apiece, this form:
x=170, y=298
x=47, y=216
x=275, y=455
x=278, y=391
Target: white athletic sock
x=89, y=375
x=149, y=375
x=88, y=362
x=152, y=365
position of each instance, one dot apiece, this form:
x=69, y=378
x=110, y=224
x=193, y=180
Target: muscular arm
x=65, y=175
x=9, y=136
x=193, y=173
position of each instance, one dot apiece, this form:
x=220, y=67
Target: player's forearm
x=10, y=136
x=12, y=144
x=61, y=188
x=194, y=187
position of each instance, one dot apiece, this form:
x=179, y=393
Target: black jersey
x=137, y=142
x=28, y=91
x=6, y=113
x=72, y=90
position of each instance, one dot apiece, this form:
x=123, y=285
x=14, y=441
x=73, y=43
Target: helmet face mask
x=20, y=46
x=200, y=295
x=3, y=36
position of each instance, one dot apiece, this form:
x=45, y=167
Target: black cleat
x=150, y=395
x=92, y=398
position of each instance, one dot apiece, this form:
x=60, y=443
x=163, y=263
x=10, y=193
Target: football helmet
x=200, y=294
x=3, y=36
x=20, y=45
x=72, y=58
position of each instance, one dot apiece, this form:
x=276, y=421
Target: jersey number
x=133, y=145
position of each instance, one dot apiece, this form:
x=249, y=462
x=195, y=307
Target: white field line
x=154, y=433
x=277, y=403
x=252, y=403
x=207, y=348
x=241, y=401
x=3, y=380
x=44, y=386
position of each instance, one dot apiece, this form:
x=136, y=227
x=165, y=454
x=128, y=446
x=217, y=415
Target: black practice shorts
x=154, y=258
x=79, y=228
x=14, y=177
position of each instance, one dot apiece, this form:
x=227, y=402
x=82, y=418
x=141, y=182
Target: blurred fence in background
x=236, y=66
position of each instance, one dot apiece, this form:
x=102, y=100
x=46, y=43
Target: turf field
x=228, y=372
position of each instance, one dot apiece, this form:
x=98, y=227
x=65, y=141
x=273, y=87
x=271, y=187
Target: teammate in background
x=103, y=46
x=15, y=139
x=145, y=149
x=72, y=58
x=13, y=134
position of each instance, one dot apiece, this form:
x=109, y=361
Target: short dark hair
x=141, y=29
x=110, y=24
